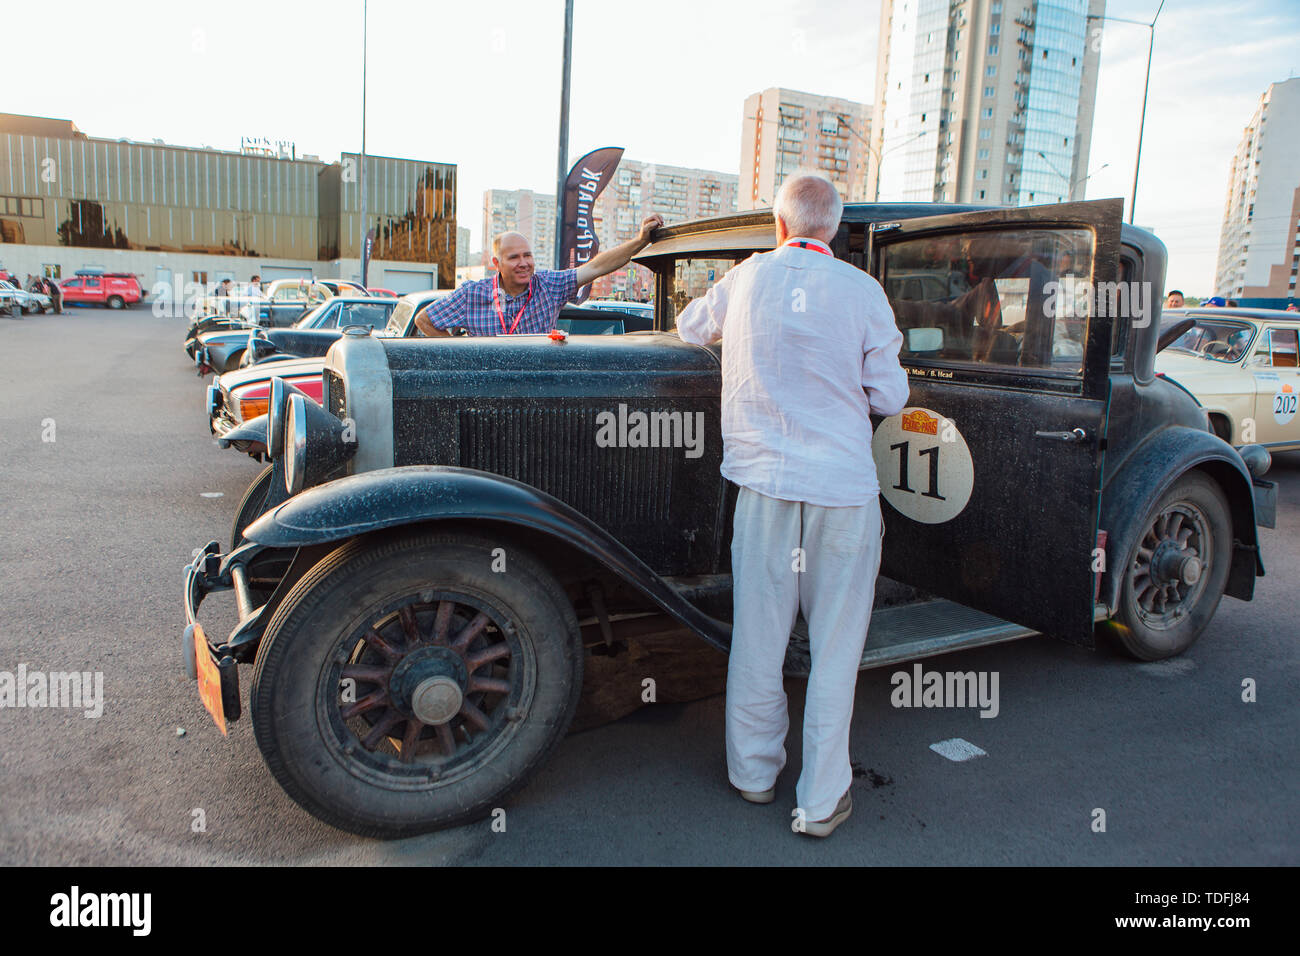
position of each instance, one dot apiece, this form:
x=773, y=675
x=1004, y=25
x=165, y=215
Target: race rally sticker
x=1284, y=404
x=924, y=465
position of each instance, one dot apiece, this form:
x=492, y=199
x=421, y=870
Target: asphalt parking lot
x=96, y=524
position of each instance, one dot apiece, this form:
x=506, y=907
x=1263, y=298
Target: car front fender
x=1149, y=472
x=420, y=494
x=253, y=430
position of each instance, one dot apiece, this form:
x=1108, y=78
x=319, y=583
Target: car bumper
x=214, y=665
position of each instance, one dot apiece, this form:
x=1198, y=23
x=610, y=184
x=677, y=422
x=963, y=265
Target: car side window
x=1018, y=298
x=1283, y=348
x=92, y=283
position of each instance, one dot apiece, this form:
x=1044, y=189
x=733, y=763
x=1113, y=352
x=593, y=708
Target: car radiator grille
x=554, y=450
x=335, y=394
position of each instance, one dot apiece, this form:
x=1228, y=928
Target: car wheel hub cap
x=436, y=700
x=430, y=683
x=1170, y=565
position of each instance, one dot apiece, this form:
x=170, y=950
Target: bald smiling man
x=518, y=299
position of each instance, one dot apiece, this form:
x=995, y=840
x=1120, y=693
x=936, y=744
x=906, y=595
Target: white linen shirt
x=811, y=350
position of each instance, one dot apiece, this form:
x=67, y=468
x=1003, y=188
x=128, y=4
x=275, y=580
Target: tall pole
x=1132, y=205
x=361, y=168
x=562, y=165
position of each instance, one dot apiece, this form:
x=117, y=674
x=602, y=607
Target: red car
x=113, y=289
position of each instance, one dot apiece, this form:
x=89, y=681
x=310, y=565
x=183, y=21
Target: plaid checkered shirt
x=470, y=307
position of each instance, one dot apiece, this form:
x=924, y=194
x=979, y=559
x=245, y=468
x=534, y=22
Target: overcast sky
x=479, y=84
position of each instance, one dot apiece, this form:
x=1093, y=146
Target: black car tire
x=251, y=507
x=115, y=302
x=389, y=589
x=1150, y=626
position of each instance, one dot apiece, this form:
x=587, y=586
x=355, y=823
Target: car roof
x=756, y=228
x=1240, y=312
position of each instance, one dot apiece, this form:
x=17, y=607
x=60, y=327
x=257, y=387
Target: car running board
x=911, y=631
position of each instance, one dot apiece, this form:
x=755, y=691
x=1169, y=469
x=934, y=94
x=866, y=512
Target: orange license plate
x=209, y=679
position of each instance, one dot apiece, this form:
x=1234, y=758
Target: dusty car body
x=1243, y=367
x=420, y=569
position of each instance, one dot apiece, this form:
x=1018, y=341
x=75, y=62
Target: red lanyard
x=501, y=315
x=807, y=245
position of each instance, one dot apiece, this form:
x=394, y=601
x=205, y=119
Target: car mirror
x=925, y=340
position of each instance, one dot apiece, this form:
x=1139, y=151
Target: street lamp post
x=1070, y=183
x=562, y=171
x=1137, y=163
x=875, y=152
x=361, y=165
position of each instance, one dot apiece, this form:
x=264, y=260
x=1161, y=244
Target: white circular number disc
x=1284, y=404
x=923, y=465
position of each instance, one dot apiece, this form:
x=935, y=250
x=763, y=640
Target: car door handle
x=1077, y=435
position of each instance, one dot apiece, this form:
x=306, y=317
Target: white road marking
x=212, y=494
x=957, y=749
x=1171, y=667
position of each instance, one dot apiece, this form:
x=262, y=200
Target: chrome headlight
x=214, y=397
x=316, y=444
x=295, y=428
x=275, y=421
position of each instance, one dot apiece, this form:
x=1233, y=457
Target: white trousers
x=784, y=555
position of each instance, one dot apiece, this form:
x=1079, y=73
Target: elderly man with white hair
x=811, y=351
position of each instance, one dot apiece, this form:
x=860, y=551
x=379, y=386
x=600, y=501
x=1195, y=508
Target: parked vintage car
x=223, y=350
x=115, y=290
x=16, y=300
x=1243, y=367
x=437, y=543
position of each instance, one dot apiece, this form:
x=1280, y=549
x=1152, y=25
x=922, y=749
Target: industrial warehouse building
x=69, y=202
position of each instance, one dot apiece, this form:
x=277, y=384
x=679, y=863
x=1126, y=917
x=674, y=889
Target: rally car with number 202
x=418, y=579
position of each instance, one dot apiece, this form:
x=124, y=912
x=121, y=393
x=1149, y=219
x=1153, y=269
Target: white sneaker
x=824, y=828
x=758, y=796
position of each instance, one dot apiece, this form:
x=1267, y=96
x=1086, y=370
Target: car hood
x=1203, y=375
x=269, y=370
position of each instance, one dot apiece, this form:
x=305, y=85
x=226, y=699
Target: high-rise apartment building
x=639, y=189
x=986, y=100
x=523, y=211
x=1259, y=246
x=786, y=131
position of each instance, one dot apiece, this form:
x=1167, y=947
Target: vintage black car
x=438, y=543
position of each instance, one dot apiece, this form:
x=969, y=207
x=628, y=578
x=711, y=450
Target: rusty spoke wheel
x=426, y=683
x=1176, y=571
x=403, y=685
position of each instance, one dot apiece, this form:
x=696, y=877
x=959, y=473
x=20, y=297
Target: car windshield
x=310, y=318
x=372, y=315
x=1218, y=339
x=401, y=315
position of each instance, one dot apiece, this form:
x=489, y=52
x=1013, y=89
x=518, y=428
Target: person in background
x=255, y=285
x=518, y=298
x=1174, y=300
x=812, y=353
